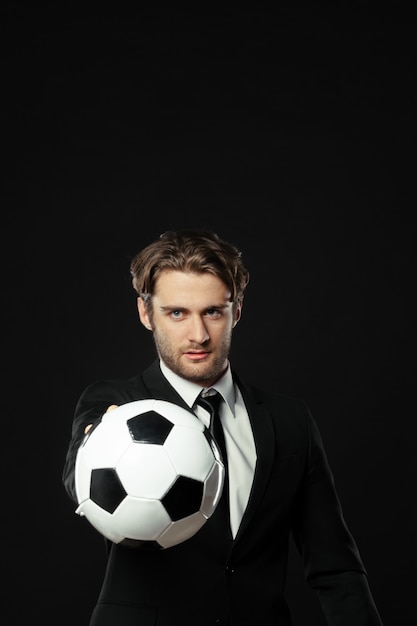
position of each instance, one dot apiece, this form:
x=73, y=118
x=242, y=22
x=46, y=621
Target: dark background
x=291, y=132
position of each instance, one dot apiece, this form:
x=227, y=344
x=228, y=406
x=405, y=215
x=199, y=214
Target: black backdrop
x=291, y=133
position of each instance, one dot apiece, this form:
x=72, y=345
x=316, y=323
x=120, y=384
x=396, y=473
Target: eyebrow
x=184, y=308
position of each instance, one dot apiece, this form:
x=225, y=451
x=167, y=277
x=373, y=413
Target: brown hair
x=195, y=251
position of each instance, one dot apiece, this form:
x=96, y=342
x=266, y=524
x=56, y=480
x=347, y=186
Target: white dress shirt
x=240, y=446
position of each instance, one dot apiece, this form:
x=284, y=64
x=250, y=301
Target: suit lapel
x=159, y=388
x=264, y=436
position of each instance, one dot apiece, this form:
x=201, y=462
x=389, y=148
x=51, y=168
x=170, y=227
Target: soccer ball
x=149, y=475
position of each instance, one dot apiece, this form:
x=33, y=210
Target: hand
x=109, y=408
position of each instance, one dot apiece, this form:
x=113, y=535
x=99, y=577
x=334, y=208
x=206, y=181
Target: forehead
x=179, y=288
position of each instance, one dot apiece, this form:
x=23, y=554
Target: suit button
x=219, y=621
x=230, y=570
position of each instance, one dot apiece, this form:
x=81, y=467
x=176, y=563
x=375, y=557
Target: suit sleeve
x=332, y=563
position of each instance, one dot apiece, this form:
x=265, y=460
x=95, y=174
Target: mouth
x=196, y=355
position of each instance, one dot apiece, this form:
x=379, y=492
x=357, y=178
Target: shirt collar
x=189, y=390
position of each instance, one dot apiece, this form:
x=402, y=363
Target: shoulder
x=290, y=414
x=119, y=390
x=273, y=400
x=113, y=391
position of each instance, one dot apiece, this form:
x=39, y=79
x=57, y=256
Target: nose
x=197, y=331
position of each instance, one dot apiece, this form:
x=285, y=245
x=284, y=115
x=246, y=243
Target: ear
x=238, y=312
x=143, y=314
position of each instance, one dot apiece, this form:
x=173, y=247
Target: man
x=190, y=287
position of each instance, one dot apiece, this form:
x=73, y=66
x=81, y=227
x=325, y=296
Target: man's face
x=192, y=324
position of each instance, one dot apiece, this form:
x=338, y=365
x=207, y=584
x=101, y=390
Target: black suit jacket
x=213, y=579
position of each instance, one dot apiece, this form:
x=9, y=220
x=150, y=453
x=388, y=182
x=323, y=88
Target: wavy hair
x=193, y=251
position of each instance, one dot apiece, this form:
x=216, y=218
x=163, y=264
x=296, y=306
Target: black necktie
x=211, y=405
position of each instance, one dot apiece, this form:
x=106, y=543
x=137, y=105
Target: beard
x=199, y=373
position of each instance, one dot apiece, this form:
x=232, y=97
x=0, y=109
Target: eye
x=177, y=314
x=213, y=313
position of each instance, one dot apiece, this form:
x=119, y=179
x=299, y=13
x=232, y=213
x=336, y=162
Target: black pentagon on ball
x=183, y=498
x=149, y=427
x=106, y=490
